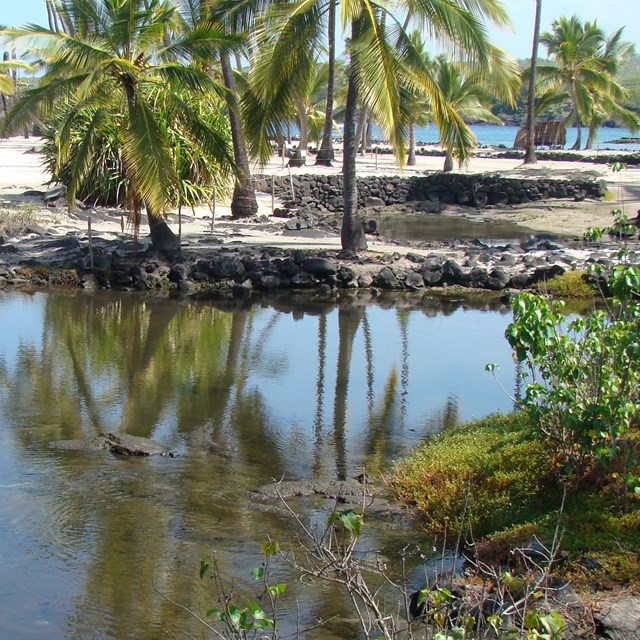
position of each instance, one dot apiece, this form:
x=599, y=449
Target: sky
x=610, y=14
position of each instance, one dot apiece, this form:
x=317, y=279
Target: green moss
x=591, y=529
x=505, y=479
x=570, y=285
x=495, y=469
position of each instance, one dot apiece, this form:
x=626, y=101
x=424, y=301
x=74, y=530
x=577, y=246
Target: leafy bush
x=104, y=179
x=494, y=469
x=584, y=375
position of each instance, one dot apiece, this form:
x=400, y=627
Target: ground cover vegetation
x=570, y=455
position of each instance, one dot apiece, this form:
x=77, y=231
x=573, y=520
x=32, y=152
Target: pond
x=446, y=228
x=300, y=388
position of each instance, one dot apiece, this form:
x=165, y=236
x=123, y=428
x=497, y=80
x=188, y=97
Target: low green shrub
x=495, y=471
x=570, y=285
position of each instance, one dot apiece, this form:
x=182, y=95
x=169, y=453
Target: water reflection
x=298, y=387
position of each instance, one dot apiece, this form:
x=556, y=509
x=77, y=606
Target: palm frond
x=146, y=154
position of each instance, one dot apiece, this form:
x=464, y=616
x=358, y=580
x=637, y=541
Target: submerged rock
x=119, y=443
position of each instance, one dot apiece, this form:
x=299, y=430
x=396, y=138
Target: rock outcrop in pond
x=119, y=443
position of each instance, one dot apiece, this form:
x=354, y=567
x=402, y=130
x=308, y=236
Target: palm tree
x=468, y=96
x=585, y=62
x=530, y=150
x=464, y=94
x=7, y=80
x=375, y=49
x=126, y=57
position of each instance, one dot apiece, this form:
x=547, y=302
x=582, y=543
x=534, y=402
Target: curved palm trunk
x=243, y=203
x=162, y=237
x=352, y=234
x=325, y=154
x=578, y=121
x=300, y=156
x=411, y=158
x=530, y=151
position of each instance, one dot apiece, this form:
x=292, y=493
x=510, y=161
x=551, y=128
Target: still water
x=294, y=388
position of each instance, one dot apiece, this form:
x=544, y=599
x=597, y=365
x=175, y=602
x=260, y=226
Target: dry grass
x=16, y=218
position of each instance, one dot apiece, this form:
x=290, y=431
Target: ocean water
x=494, y=135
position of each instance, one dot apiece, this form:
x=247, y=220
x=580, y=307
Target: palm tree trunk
x=530, y=151
x=352, y=234
x=162, y=237
x=578, y=121
x=243, y=203
x=5, y=98
x=368, y=134
x=238, y=58
x=411, y=158
x=52, y=16
x=591, y=139
x=300, y=155
x=325, y=154
x=360, y=130
x=448, y=162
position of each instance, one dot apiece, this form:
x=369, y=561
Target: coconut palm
x=467, y=95
x=126, y=57
x=238, y=18
x=584, y=63
x=464, y=94
x=376, y=45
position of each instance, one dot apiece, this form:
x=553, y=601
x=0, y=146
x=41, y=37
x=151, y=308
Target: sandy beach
x=21, y=169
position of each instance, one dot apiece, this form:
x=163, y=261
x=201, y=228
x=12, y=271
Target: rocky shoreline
x=203, y=267
x=218, y=265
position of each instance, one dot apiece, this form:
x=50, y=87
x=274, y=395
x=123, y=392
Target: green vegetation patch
x=571, y=285
x=495, y=470
x=600, y=541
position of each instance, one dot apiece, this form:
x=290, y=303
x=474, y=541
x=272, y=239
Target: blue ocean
x=493, y=135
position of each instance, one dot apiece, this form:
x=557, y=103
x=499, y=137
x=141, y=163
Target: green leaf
x=277, y=589
x=269, y=548
x=204, y=566
x=257, y=573
x=352, y=523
